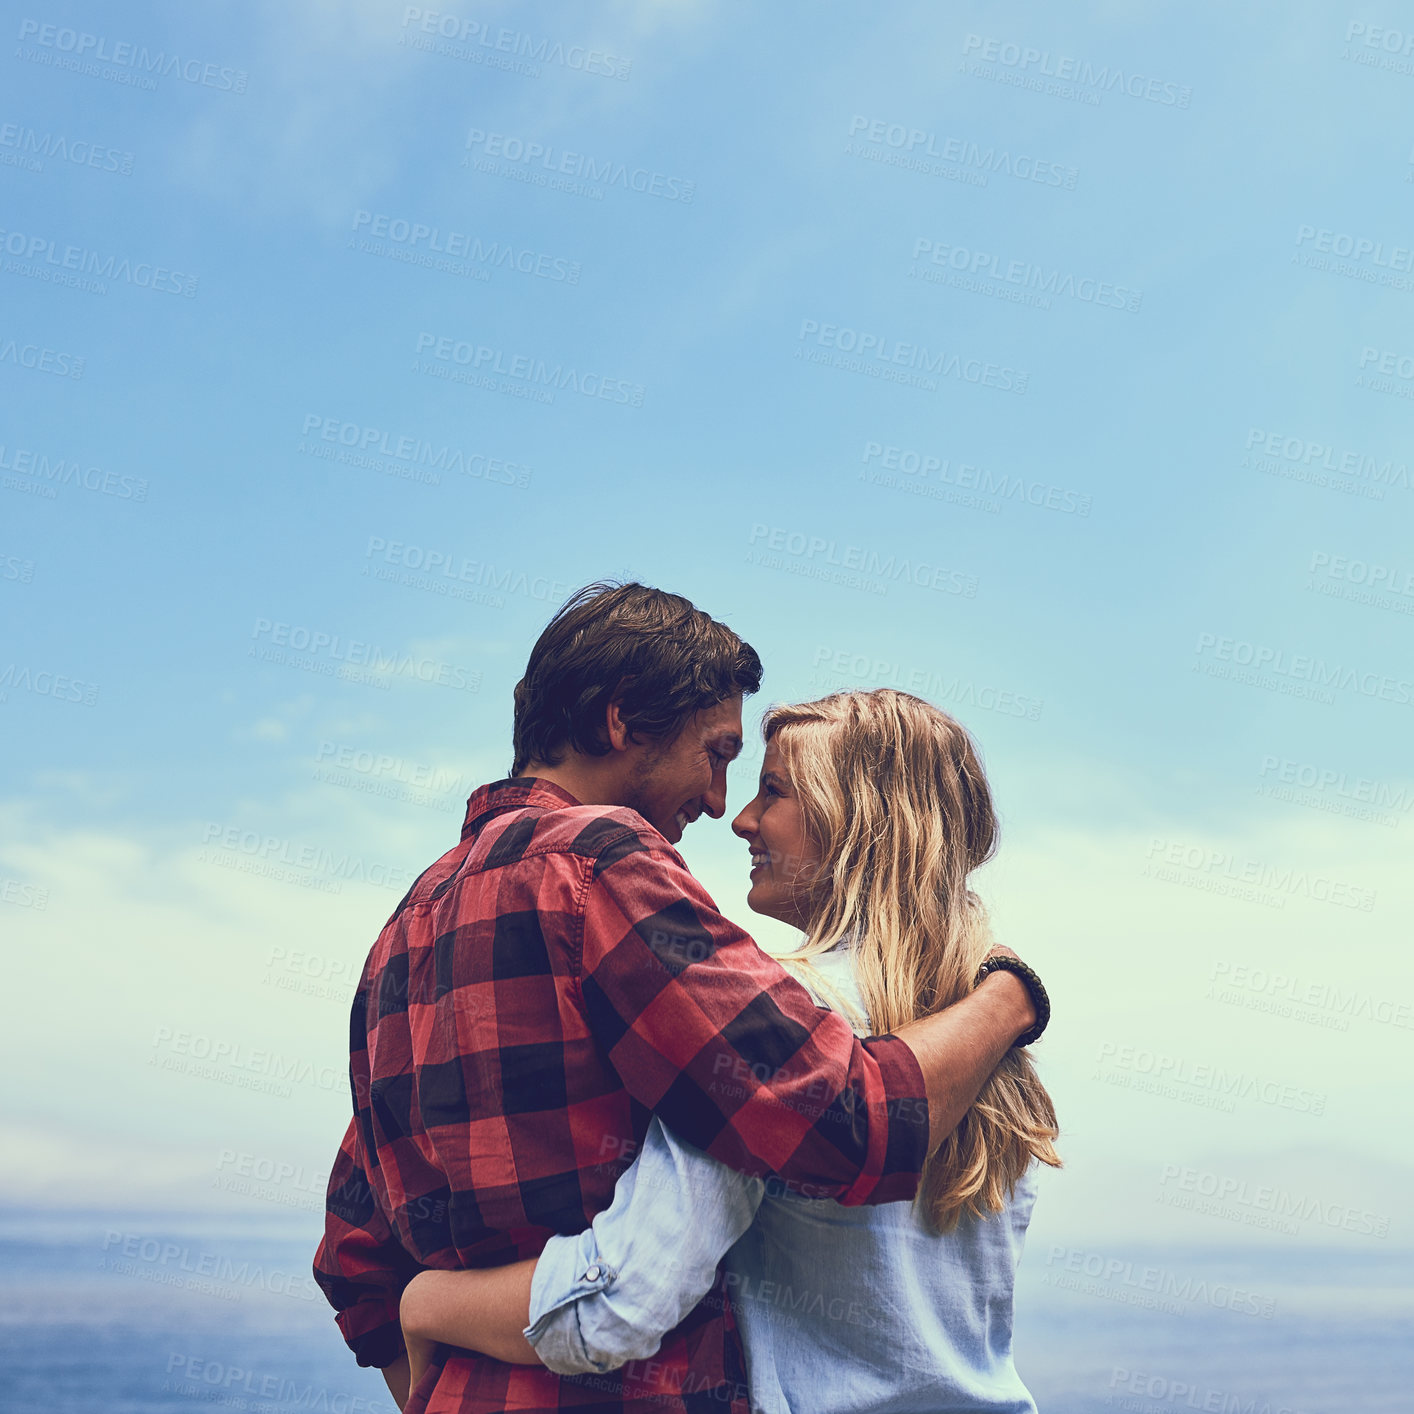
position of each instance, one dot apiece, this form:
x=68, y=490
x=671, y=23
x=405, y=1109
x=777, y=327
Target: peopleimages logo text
x=355, y=657
x=49, y=253
x=68, y=471
x=1384, y=795
x=1206, y=1076
x=123, y=54
x=1307, y=452
x=1026, y=274
x=1101, y=77
x=41, y=359
x=1279, y=879
x=889, y=568
x=895, y=360
x=319, y=860
x=581, y=166
x=526, y=369
x=837, y=668
x=913, y=145
x=1304, y=668
x=458, y=245
x=80, y=152
x=453, y=30
x=1356, y=247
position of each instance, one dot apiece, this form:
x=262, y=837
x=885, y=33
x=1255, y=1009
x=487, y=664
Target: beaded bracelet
x=1004, y=962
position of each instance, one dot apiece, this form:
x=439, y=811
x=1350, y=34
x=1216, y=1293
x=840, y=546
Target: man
x=560, y=976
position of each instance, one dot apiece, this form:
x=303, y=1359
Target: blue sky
x=1144, y=303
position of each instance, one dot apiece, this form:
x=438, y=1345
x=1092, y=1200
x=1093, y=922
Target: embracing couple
x=607, y=1154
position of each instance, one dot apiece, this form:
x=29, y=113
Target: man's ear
x=616, y=730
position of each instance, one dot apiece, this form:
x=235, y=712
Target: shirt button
x=593, y=1273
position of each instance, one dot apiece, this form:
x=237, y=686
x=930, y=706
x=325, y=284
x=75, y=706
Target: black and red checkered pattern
x=542, y=990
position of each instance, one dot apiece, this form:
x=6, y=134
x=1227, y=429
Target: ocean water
x=126, y=1314
x=1268, y=1331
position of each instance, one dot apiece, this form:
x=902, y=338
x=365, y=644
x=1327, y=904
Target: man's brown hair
x=656, y=654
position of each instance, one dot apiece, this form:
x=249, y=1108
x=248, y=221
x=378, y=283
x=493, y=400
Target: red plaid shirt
x=542, y=990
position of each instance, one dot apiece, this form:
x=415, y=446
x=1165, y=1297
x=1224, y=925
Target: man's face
x=671, y=783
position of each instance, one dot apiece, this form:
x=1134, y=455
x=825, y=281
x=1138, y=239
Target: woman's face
x=783, y=857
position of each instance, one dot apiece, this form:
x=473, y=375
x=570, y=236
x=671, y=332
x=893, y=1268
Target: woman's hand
x=483, y=1309
x=396, y=1376
x=413, y=1312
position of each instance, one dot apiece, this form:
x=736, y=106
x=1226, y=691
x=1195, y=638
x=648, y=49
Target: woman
x=871, y=812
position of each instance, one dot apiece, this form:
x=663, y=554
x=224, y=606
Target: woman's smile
x=783, y=856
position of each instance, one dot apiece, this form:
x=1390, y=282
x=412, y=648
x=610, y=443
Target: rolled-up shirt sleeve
x=705, y=1029
x=361, y=1266
x=611, y=1293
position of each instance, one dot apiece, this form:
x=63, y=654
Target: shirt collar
x=513, y=793
x=843, y=945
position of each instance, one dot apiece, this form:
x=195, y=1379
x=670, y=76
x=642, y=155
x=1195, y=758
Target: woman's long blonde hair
x=893, y=794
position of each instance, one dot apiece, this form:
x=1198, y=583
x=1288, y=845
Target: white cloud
x=160, y=949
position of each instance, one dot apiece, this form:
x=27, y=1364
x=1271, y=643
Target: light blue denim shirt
x=858, y=1310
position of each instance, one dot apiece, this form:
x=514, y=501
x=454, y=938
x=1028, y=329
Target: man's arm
x=733, y=1053
x=958, y=1049
x=361, y=1267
